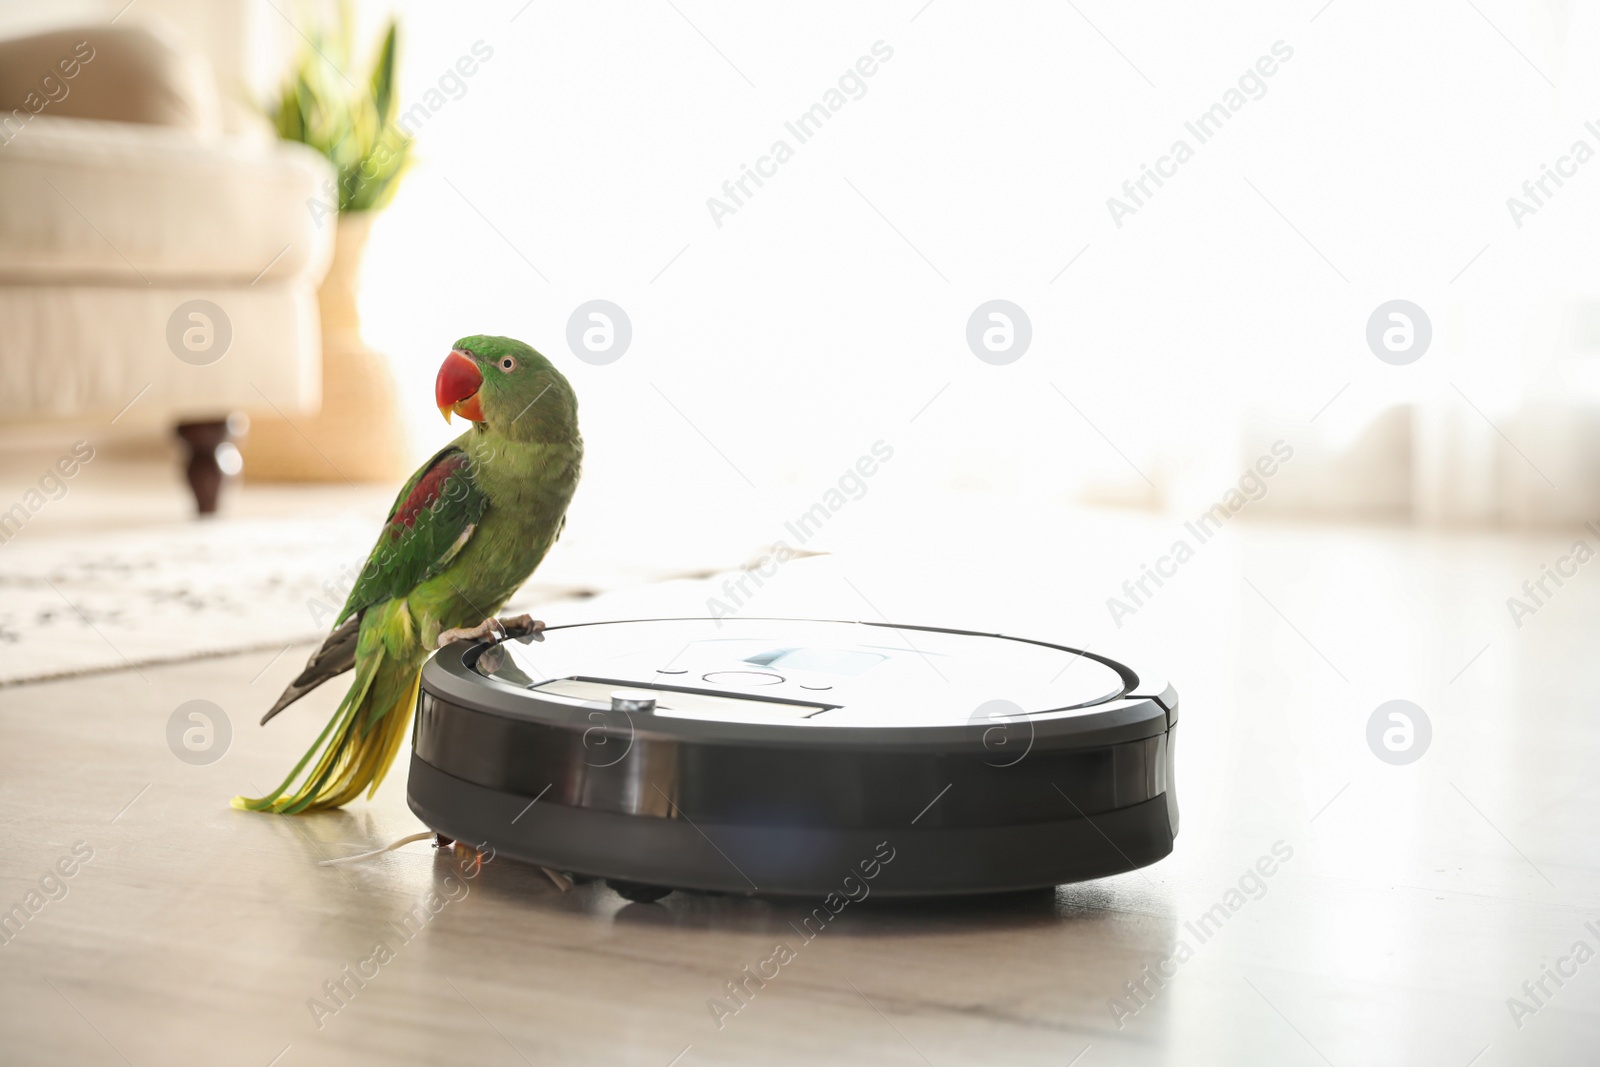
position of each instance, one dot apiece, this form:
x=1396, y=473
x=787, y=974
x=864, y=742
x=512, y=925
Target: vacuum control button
x=626, y=700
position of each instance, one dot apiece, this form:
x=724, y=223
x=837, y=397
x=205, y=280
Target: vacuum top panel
x=807, y=674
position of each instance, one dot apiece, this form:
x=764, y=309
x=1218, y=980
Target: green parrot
x=465, y=532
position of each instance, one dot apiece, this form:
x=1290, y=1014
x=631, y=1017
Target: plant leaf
x=383, y=75
x=351, y=127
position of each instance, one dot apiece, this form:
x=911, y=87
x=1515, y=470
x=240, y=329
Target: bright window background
x=577, y=161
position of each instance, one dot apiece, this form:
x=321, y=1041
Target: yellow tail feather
x=357, y=746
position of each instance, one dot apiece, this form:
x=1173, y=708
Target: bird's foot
x=523, y=628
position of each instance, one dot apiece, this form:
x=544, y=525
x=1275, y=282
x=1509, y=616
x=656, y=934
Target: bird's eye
x=508, y=364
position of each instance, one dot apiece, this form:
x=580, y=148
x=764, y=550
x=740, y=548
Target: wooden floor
x=1407, y=904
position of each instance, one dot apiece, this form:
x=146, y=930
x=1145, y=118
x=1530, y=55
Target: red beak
x=456, y=388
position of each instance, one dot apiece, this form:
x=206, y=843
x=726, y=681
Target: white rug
x=108, y=601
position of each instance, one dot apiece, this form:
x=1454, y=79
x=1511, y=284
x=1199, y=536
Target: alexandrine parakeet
x=465, y=532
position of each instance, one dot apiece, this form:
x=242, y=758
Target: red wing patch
x=425, y=492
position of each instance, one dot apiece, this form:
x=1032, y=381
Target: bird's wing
x=431, y=521
x=336, y=655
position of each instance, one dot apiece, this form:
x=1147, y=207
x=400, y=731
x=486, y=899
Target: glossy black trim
x=647, y=772
x=784, y=860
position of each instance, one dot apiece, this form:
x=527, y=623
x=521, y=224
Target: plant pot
x=358, y=434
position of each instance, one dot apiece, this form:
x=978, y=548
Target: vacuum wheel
x=637, y=892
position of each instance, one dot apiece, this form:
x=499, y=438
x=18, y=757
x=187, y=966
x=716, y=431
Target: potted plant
x=358, y=434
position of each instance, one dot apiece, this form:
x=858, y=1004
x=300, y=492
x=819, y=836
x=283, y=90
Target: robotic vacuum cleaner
x=784, y=756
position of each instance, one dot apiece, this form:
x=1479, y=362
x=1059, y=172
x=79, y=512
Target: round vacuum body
x=783, y=756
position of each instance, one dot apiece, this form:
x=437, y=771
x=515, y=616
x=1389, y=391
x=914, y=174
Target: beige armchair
x=152, y=267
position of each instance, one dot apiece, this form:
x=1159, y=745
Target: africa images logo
x=1252, y=486
x=803, y=128
x=1202, y=128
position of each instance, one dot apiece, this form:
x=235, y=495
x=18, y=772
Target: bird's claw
x=522, y=628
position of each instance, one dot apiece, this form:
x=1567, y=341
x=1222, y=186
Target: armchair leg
x=213, y=457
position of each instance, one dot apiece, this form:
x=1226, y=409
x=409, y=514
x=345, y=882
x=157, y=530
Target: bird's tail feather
x=359, y=743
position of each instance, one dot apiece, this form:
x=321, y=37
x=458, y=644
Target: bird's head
x=506, y=387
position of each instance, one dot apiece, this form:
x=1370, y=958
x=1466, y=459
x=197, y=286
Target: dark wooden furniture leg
x=212, y=457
